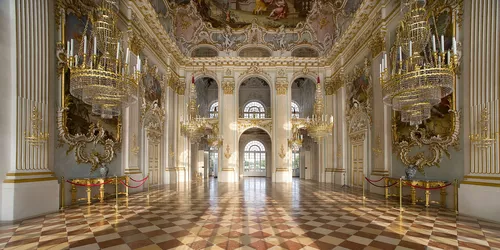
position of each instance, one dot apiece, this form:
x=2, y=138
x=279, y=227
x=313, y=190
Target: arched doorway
x=255, y=153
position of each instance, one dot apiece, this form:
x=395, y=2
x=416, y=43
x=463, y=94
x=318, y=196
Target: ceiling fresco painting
x=280, y=25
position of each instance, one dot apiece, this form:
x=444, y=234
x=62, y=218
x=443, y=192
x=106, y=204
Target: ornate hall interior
x=240, y=124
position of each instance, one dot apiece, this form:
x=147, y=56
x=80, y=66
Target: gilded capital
x=329, y=90
x=136, y=44
x=281, y=88
x=228, y=87
x=377, y=43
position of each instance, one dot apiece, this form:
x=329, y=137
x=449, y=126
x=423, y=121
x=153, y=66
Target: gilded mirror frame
x=96, y=133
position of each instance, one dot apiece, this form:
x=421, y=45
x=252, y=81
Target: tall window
x=254, y=157
x=295, y=110
x=254, y=110
x=214, y=110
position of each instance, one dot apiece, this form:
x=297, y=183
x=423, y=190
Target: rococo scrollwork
x=95, y=135
x=437, y=145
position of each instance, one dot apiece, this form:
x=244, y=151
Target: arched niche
x=303, y=90
x=254, y=89
x=207, y=92
x=305, y=52
x=254, y=52
x=204, y=52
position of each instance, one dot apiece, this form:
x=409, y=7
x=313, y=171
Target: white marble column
x=480, y=188
x=228, y=170
x=282, y=131
x=29, y=187
x=381, y=155
x=341, y=139
x=182, y=169
x=172, y=121
x=329, y=152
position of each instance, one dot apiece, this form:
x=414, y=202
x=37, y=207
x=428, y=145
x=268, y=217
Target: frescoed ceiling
x=279, y=25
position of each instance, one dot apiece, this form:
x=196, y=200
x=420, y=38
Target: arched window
x=254, y=157
x=254, y=110
x=295, y=110
x=214, y=110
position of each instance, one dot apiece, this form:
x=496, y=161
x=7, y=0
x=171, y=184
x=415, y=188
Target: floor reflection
x=252, y=214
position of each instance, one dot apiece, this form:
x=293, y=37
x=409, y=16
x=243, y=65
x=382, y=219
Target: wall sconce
x=377, y=150
x=282, y=152
x=36, y=137
x=228, y=153
x=482, y=140
x=135, y=148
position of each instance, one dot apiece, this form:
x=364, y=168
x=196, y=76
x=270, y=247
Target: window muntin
x=214, y=110
x=254, y=109
x=254, y=157
x=295, y=110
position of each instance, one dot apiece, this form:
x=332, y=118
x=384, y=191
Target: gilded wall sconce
x=171, y=153
x=36, y=137
x=228, y=153
x=483, y=140
x=282, y=152
x=135, y=148
x=377, y=150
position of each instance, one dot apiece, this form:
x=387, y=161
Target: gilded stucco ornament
x=255, y=70
x=281, y=88
x=377, y=42
x=204, y=72
x=358, y=118
x=152, y=120
x=228, y=87
x=265, y=124
x=362, y=72
x=136, y=44
x=437, y=146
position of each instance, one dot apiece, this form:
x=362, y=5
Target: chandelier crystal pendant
x=194, y=127
x=419, y=79
x=319, y=126
x=100, y=75
x=295, y=143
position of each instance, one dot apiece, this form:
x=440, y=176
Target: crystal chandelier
x=483, y=140
x=319, y=126
x=418, y=79
x=194, y=127
x=295, y=143
x=100, y=75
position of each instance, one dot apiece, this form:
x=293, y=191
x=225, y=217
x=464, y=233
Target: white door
x=357, y=163
x=154, y=163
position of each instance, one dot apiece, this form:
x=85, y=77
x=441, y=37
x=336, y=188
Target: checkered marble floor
x=254, y=214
